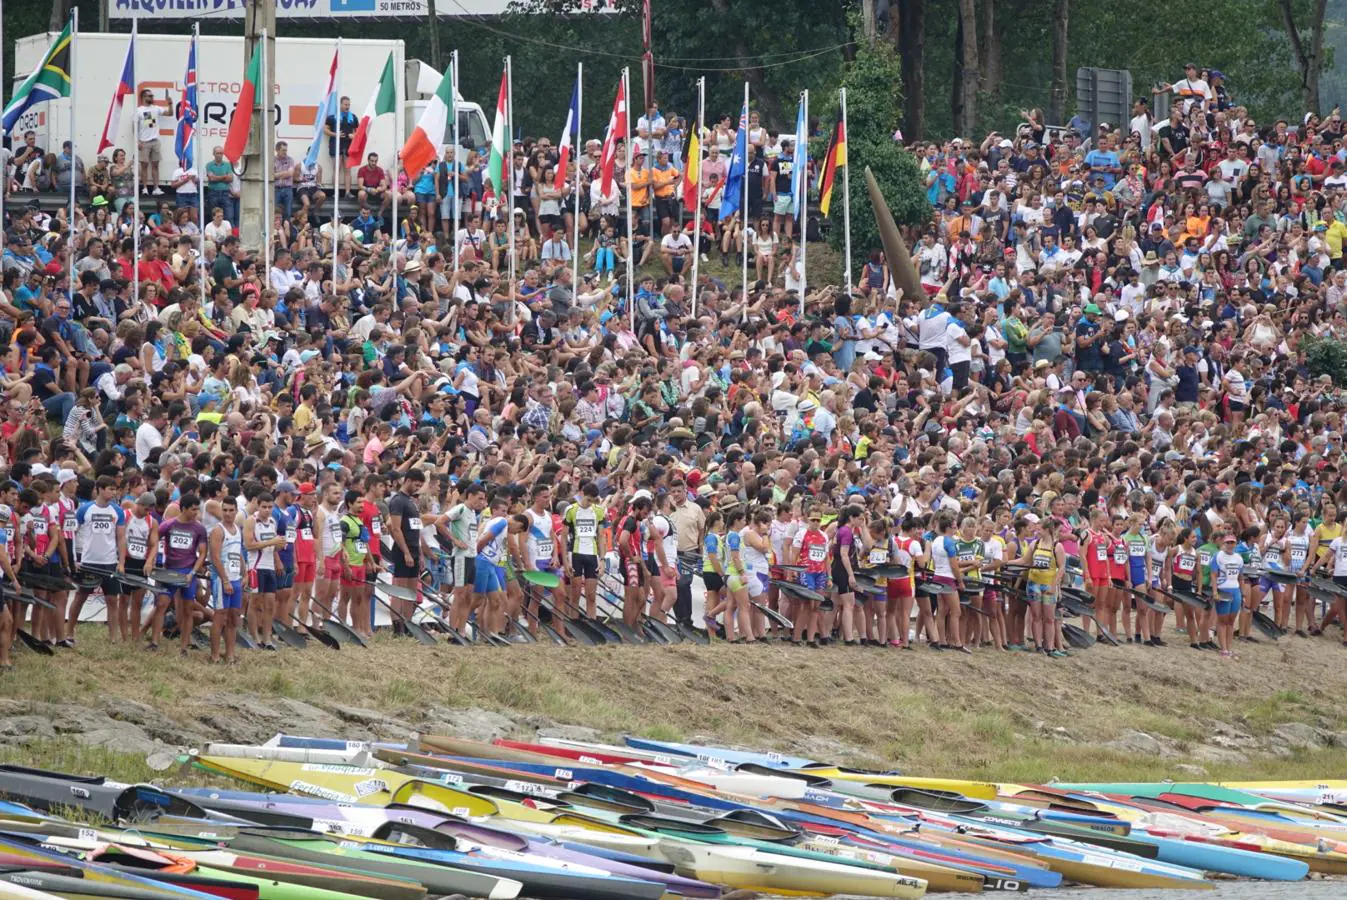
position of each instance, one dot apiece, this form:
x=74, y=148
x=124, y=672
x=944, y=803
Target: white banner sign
x=162, y=10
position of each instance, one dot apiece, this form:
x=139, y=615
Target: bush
x=874, y=105
x=1326, y=356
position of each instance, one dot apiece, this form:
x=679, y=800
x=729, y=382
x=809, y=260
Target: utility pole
x=259, y=25
x=434, y=26
x=103, y=17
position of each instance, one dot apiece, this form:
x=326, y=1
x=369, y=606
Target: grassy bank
x=991, y=716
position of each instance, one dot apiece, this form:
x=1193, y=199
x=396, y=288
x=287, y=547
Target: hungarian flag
x=112, y=125
x=236, y=140
x=495, y=167
x=836, y=159
x=692, y=171
x=50, y=80
x=424, y=143
x=572, y=117
x=383, y=101
x=617, y=131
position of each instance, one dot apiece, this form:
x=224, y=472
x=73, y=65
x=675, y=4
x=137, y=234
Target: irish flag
x=236, y=140
x=499, y=148
x=423, y=144
x=383, y=101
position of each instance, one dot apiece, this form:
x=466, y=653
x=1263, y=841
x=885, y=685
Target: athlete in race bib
x=184, y=540
x=461, y=523
x=102, y=553
x=262, y=539
x=226, y=583
x=587, y=541
x=306, y=554
x=404, y=526
x=355, y=556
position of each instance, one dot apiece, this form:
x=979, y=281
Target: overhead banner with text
x=163, y=10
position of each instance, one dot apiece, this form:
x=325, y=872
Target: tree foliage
x=1326, y=356
x=874, y=105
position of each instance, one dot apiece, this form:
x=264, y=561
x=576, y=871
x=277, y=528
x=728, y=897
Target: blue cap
x=593, y=434
x=604, y=317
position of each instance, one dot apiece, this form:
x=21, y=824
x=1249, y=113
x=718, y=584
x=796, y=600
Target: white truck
x=301, y=68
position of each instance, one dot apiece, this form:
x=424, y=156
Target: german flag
x=834, y=160
x=692, y=165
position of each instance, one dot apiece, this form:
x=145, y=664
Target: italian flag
x=499, y=148
x=424, y=143
x=383, y=101
x=236, y=140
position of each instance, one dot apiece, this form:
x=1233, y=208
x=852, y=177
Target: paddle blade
x=342, y=634
x=419, y=633
x=289, y=636
x=34, y=644
x=1264, y=624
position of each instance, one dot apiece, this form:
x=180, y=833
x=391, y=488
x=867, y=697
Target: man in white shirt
x=652, y=123
x=282, y=276
x=147, y=134
x=1191, y=90
x=472, y=235
x=150, y=434
x=186, y=184
x=675, y=249
x=378, y=315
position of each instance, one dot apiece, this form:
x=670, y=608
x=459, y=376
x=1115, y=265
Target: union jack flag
x=187, y=112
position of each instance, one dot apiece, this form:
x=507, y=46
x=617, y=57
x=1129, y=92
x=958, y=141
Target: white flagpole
x=268, y=154
x=576, y=150
x=743, y=207
x=802, y=220
x=338, y=162
x=458, y=163
x=74, y=150
x=631, y=222
x=397, y=167
x=135, y=182
x=508, y=161
x=697, y=212
x=846, y=202
x=197, y=164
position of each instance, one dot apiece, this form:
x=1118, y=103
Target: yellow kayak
x=937, y=877
x=979, y=790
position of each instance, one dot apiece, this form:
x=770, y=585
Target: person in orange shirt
x=639, y=182
x=665, y=177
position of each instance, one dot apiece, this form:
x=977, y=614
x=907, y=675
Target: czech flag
x=112, y=125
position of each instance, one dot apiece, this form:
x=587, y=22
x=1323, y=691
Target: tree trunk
x=1309, y=60
x=912, y=49
x=964, y=108
x=60, y=11
x=1057, y=94
x=868, y=20
x=990, y=47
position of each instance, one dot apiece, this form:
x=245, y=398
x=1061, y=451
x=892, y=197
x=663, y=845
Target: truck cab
x=474, y=131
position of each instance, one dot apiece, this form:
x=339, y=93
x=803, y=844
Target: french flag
x=112, y=126
x=567, y=136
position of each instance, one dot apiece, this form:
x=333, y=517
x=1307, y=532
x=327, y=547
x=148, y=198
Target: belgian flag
x=692, y=165
x=835, y=159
